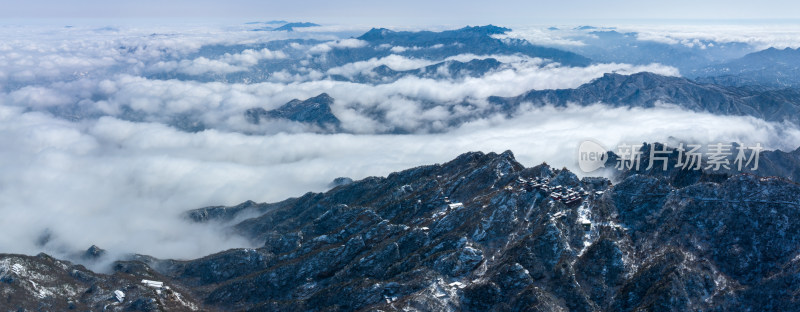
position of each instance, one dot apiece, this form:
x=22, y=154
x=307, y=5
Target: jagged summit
x=375, y=34
x=482, y=232
x=94, y=252
x=43, y=283
x=483, y=226
x=314, y=111
x=305, y=110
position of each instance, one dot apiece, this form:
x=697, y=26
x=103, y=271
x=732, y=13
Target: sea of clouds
x=77, y=170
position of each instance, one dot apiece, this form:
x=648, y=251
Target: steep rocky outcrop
x=484, y=233
x=42, y=283
x=314, y=111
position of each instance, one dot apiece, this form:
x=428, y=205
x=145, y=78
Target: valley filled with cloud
x=109, y=133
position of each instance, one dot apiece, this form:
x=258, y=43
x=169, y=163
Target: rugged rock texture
x=483, y=233
x=42, y=283
x=469, y=235
x=775, y=163
x=313, y=111
x=780, y=164
x=93, y=253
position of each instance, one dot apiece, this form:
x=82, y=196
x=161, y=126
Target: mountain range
x=441, y=70
x=315, y=111
x=771, y=68
x=647, y=90
x=719, y=78
x=476, y=40
x=640, y=90
x=480, y=232
x=436, y=46
x=613, y=46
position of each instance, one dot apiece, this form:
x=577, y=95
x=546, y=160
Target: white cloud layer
x=405, y=102
x=337, y=44
x=122, y=185
x=228, y=63
x=45, y=52
x=394, y=61
x=542, y=36
x=759, y=36
x=87, y=152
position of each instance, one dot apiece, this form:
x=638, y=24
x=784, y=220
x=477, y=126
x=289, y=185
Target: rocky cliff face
x=42, y=283
x=484, y=233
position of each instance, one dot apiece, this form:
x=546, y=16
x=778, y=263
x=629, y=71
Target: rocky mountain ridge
x=640, y=90
x=769, y=69
x=482, y=232
x=315, y=111
x=647, y=90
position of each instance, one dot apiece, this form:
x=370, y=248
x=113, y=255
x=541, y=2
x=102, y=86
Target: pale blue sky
x=411, y=12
